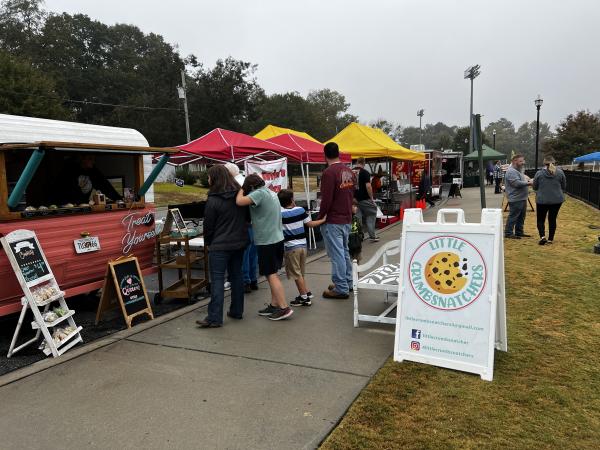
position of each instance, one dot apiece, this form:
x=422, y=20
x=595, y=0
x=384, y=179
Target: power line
x=87, y=102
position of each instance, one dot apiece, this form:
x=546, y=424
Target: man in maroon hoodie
x=337, y=192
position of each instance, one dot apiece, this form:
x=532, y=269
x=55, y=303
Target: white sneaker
x=227, y=285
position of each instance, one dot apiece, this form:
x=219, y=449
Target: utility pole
x=181, y=90
x=420, y=113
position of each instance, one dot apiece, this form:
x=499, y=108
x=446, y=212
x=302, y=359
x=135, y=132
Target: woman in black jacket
x=226, y=235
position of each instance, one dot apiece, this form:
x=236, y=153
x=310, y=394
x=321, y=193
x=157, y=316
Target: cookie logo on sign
x=447, y=272
x=131, y=287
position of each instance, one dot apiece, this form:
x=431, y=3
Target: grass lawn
x=546, y=389
x=169, y=193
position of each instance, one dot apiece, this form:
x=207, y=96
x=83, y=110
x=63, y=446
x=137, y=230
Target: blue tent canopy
x=590, y=157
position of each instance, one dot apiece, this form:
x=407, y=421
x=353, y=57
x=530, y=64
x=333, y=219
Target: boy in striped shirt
x=294, y=219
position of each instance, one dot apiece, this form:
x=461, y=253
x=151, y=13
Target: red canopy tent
x=312, y=152
x=225, y=145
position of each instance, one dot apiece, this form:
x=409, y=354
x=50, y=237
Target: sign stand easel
x=452, y=299
x=41, y=291
x=124, y=281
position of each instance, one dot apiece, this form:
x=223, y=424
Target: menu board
x=29, y=259
x=125, y=282
x=178, y=219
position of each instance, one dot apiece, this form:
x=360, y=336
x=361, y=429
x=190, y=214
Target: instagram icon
x=415, y=345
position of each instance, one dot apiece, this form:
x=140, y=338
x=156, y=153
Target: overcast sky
x=391, y=57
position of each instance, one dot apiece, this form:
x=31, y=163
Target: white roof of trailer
x=21, y=129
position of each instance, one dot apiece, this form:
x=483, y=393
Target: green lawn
x=169, y=193
x=546, y=389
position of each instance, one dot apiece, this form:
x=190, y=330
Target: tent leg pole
x=305, y=181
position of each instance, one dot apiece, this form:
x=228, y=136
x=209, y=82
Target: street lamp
x=471, y=73
x=420, y=113
x=466, y=144
x=538, y=104
x=494, y=134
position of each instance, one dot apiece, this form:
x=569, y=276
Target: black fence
x=584, y=185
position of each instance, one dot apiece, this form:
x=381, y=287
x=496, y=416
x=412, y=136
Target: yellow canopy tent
x=361, y=140
x=271, y=131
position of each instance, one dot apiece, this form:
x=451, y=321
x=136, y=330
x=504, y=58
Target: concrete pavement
x=251, y=384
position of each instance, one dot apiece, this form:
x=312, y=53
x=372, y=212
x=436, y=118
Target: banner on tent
x=273, y=172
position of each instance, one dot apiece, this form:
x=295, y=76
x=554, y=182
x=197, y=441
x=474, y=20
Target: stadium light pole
x=420, y=113
x=538, y=104
x=494, y=134
x=471, y=73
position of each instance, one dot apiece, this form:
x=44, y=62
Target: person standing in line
x=249, y=265
x=295, y=219
x=498, y=177
x=226, y=236
x=337, y=192
x=517, y=192
x=550, y=184
x=265, y=213
x=425, y=189
x=367, y=209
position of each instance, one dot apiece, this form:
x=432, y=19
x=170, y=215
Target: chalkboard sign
x=29, y=258
x=178, y=219
x=128, y=287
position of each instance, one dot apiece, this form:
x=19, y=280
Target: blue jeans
x=221, y=261
x=250, y=260
x=516, y=218
x=335, y=237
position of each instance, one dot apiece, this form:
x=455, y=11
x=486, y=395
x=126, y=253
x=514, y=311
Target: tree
x=576, y=135
x=20, y=24
x=384, y=125
x=288, y=110
x=506, y=137
x=226, y=96
x=525, y=142
x=331, y=111
x=460, y=136
x=24, y=91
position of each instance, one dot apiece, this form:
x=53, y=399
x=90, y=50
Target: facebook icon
x=416, y=334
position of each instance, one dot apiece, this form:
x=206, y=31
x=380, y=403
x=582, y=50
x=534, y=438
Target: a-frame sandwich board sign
x=451, y=298
x=40, y=290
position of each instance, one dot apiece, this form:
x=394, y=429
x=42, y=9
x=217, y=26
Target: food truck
x=85, y=190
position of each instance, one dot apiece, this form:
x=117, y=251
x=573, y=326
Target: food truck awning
x=80, y=146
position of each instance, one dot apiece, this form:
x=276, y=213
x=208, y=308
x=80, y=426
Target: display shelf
x=60, y=345
x=180, y=289
x=54, y=298
x=70, y=313
x=173, y=264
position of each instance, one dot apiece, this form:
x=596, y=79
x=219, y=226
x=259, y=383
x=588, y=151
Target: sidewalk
x=251, y=384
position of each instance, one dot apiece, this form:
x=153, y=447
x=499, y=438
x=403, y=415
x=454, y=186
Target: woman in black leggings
x=549, y=184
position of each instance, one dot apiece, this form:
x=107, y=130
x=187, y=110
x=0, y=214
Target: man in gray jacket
x=517, y=191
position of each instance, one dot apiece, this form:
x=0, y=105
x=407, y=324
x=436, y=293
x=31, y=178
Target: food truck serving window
x=44, y=181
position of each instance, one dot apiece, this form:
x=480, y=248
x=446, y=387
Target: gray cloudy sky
x=388, y=57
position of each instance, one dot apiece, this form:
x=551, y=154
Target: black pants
x=497, y=190
x=552, y=212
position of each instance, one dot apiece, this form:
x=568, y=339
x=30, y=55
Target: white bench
x=384, y=278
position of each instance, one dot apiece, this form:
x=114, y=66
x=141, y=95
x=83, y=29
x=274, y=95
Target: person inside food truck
x=80, y=178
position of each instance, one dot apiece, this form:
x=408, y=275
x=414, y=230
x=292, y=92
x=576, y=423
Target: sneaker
x=299, y=301
x=331, y=287
x=270, y=309
x=375, y=239
x=549, y=241
x=281, y=313
x=254, y=286
x=523, y=235
x=336, y=295
x=512, y=236
x=247, y=288
x=543, y=241
x=227, y=285
x=309, y=294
